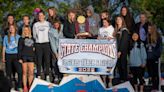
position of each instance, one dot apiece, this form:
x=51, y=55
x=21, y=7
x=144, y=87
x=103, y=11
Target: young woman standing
x=69, y=29
x=106, y=32
x=137, y=60
x=26, y=56
x=55, y=34
x=154, y=50
x=122, y=36
x=26, y=22
x=129, y=21
x=42, y=46
x=9, y=55
x=5, y=27
x=52, y=15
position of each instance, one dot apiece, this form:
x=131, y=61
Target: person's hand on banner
x=98, y=38
x=57, y=56
x=109, y=38
x=53, y=56
x=118, y=54
x=76, y=37
x=20, y=61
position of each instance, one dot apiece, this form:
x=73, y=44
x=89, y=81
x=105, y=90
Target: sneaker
x=20, y=90
x=110, y=85
x=12, y=89
x=56, y=80
x=39, y=77
x=48, y=78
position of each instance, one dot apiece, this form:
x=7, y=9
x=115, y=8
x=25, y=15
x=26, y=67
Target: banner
x=79, y=83
x=87, y=56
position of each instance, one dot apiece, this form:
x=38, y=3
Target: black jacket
x=123, y=41
x=137, y=27
x=69, y=29
x=154, y=50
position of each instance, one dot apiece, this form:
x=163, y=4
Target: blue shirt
x=12, y=46
x=142, y=33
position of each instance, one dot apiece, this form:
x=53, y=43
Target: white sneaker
x=39, y=77
x=110, y=84
x=48, y=78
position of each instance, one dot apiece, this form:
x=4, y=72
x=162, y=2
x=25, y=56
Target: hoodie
x=93, y=20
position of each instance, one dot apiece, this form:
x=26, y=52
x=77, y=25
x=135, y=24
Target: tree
x=22, y=7
x=153, y=8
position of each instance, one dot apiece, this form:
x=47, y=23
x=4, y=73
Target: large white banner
x=87, y=56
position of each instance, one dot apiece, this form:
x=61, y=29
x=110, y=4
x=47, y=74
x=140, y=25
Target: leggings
x=153, y=72
x=12, y=62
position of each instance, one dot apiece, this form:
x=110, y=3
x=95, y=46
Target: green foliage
x=19, y=7
x=63, y=8
x=25, y=7
x=154, y=9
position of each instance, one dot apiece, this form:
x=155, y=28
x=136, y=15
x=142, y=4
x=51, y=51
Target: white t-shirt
x=106, y=32
x=40, y=31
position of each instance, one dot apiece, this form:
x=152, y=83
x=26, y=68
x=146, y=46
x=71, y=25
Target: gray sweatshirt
x=40, y=31
x=93, y=21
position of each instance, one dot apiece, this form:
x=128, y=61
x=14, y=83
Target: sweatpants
x=42, y=58
x=12, y=61
x=153, y=72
